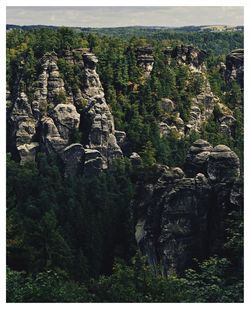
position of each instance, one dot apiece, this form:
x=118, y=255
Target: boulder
x=135, y=159
x=66, y=119
x=93, y=162
x=223, y=164
x=73, y=158
x=120, y=137
x=167, y=105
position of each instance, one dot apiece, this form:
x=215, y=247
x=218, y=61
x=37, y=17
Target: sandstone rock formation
x=180, y=215
x=197, y=158
x=187, y=55
x=145, y=59
x=202, y=105
x=223, y=164
x=235, y=66
x=23, y=125
x=50, y=121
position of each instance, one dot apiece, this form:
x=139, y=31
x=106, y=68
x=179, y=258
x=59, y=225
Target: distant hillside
x=208, y=28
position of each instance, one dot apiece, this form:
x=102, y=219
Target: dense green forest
x=72, y=239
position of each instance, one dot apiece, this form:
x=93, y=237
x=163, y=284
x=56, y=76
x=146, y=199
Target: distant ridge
x=191, y=28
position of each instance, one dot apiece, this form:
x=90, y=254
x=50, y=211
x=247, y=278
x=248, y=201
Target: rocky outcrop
x=197, y=158
x=223, y=164
x=73, y=158
x=97, y=114
x=172, y=125
x=167, y=105
x=145, y=59
x=135, y=159
x=202, y=104
x=23, y=129
x=180, y=213
x=235, y=67
x=93, y=161
x=189, y=55
x=51, y=120
x=49, y=85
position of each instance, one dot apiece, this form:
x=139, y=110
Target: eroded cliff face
x=49, y=121
x=234, y=68
x=204, y=103
x=181, y=214
x=145, y=59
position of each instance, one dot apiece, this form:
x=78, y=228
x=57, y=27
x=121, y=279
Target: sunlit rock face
x=50, y=121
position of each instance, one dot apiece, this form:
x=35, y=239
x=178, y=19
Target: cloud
x=125, y=16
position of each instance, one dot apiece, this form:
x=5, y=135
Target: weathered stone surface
x=120, y=137
x=235, y=66
x=202, y=104
x=188, y=55
x=178, y=217
x=227, y=125
x=66, y=119
x=97, y=113
x=93, y=161
x=49, y=85
x=23, y=125
x=135, y=159
x=167, y=105
x=145, y=59
x=223, y=164
x=73, y=157
x=197, y=157
x=172, y=124
x=171, y=217
x=202, y=107
x=51, y=138
x=53, y=118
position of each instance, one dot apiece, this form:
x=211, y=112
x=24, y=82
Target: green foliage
x=61, y=221
x=45, y=287
x=148, y=154
x=71, y=240
x=210, y=283
x=130, y=283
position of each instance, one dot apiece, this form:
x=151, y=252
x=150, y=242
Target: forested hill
x=211, y=38
x=124, y=165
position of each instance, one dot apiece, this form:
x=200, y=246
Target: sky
x=125, y=16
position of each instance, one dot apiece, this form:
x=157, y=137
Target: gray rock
x=73, y=158
x=223, y=164
x=93, y=161
x=120, y=137
x=167, y=105
x=227, y=125
x=197, y=158
x=235, y=67
x=171, y=220
x=179, y=216
x=172, y=125
x=67, y=120
x=145, y=59
x=52, y=140
x=135, y=159
x=51, y=120
x=97, y=113
x=187, y=54
x=23, y=128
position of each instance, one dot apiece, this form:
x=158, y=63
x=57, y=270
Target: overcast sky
x=125, y=16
